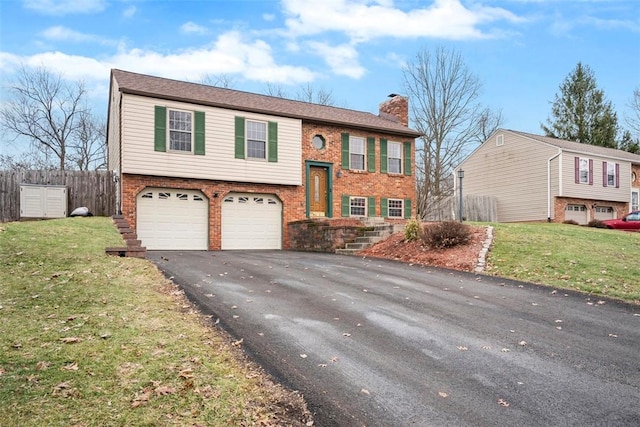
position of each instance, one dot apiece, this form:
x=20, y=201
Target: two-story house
x=202, y=167
x=537, y=178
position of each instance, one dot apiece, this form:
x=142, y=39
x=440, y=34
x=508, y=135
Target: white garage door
x=604, y=212
x=251, y=221
x=578, y=213
x=173, y=219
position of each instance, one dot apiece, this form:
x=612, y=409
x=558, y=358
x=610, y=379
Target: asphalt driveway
x=380, y=343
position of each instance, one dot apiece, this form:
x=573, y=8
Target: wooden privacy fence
x=474, y=208
x=94, y=189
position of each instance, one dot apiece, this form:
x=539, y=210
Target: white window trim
x=351, y=206
x=611, y=167
x=363, y=154
x=266, y=140
x=401, y=208
x=582, y=159
x=169, y=130
x=400, y=154
x=499, y=140
x=631, y=205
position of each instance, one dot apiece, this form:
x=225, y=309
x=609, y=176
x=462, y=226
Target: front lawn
x=92, y=340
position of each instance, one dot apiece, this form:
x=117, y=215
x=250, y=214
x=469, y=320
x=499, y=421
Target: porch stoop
x=381, y=231
x=133, y=248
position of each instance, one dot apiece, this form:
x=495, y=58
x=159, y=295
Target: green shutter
x=384, y=207
x=345, y=205
x=199, y=133
x=372, y=206
x=239, y=150
x=273, y=141
x=160, y=135
x=345, y=151
x=407, y=158
x=407, y=208
x=383, y=155
x=371, y=154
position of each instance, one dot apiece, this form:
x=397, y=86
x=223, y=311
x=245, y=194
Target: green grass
x=88, y=339
x=593, y=260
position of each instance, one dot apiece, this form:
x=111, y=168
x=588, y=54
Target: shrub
x=412, y=230
x=570, y=222
x=596, y=223
x=446, y=234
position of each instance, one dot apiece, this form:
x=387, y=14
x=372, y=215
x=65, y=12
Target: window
x=394, y=153
x=180, y=130
x=635, y=204
x=396, y=208
x=604, y=209
x=499, y=140
x=256, y=140
x=356, y=153
x=584, y=171
x=358, y=206
x=611, y=174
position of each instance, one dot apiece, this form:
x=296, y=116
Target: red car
x=629, y=222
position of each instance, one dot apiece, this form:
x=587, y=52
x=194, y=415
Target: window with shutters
x=256, y=140
x=396, y=208
x=394, y=157
x=358, y=206
x=357, y=153
x=612, y=174
x=180, y=131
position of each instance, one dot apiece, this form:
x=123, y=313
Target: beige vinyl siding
x=555, y=183
x=113, y=135
x=596, y=191
x=219, y=162
x=515, y=173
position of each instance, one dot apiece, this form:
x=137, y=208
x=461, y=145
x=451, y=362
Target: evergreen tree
x=628, y=144
x=581, y=112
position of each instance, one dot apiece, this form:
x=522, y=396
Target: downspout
x=549, y=184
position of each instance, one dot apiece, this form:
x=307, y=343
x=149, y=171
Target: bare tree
x=276, y=90
x=445, y=109
x=89, y=145
x=223, y=80
x=45, y=110
x=633, y=120
x=306, y=93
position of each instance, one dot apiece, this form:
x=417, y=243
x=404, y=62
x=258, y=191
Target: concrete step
x=347, y=251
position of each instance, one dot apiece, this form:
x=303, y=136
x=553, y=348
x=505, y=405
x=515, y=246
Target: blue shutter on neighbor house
x=345, y=205
x=198, y=148
x=160, y=129
x=371, y=154
x=407, y=208
x=383, y=156
x=345, y=151
x=407, y=158
x=273, y=141
x=239, y=137
x=384, y=207
x=372, y=206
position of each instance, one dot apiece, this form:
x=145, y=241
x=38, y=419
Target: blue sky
x=520, y=50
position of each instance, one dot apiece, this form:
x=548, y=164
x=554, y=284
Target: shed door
x=171, y=219
x=251, y=221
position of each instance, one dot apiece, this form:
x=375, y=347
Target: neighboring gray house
x=537, y=178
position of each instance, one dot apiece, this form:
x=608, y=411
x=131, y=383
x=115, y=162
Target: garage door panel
x=173, y=219
x=251, y=221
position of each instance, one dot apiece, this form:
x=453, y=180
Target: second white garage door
x=173, y=219
x=251, y=221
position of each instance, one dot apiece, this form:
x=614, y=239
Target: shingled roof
x=582, y=148
x=194, y=93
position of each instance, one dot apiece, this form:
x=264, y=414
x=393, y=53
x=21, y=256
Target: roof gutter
x=549, y=183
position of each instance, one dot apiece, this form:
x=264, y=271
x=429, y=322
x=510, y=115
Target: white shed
x=43, y=201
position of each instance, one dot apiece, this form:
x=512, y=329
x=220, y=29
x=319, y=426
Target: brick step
x=133, y=248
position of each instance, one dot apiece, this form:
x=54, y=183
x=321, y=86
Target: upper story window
x=610, y=174
x=357, y=152
x=583, y=170
x=394, y=157
x=180, y=134
x=256, y=140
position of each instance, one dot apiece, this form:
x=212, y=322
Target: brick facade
x=560, y=205
x=293, y=198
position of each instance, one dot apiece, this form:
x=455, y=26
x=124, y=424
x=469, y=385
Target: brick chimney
x=395, y=108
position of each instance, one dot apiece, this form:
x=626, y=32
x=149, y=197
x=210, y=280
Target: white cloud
x=65, y=7
x=230, y=54
x=366, y=19
x=64, y=34
x=268, y=17
x=193, y=28
x=343, y=59
x=129, y=12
